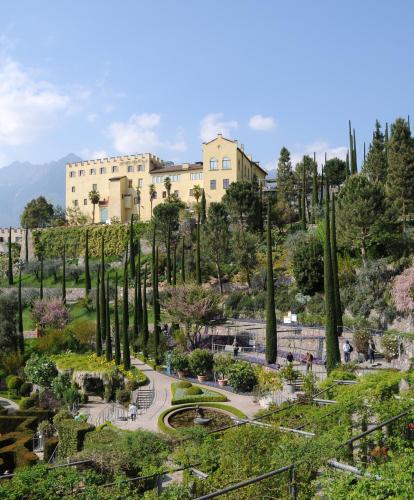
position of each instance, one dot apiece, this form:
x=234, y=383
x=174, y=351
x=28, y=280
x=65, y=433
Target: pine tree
x=125, y=319
x=183, y=261
x=116, y=325
x=20, y=314
x=108, y=341
x=285, y=177
x=271, y=329
x=156, y=309
x=203, y=208
x=315, y=198
x=64, y=275
x=88, y=285
x=132, y=247
x=332, y=345
x=334, y=256
x=41, y=278
x=103, y=295
x=10, y=259
x=145, y=334
x=375, y=166
x=98, y=336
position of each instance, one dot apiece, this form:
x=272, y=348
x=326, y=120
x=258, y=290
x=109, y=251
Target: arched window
x=213, y=164
x=226, y=163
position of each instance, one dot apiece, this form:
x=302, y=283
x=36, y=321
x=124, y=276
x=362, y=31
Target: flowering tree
x=40, y=370
x=50, y=313
x=403, y=291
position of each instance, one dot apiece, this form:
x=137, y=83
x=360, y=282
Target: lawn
x=186, y=392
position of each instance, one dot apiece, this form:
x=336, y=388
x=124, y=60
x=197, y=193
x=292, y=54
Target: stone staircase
x=144, y=397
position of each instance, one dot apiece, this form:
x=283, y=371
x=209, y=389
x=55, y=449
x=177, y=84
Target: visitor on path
x=308, y=361
x=371, y=351
x=347, y=348
x=235, y=348
x=133, y=411
x=289, y=358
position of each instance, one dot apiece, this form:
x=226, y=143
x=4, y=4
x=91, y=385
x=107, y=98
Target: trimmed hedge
x=193, y=394
x=71, y=436
x=49, y=447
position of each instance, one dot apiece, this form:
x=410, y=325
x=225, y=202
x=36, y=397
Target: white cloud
x=28, y=106
x=89, y=154
x=262, y=123
x=138, y=134
x=212, y=124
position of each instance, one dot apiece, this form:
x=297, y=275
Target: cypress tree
x=139, y=294
x=10, y=269
x=156, y=308
x=103, y=295
x=26, y=249
x=332, y=345
x=183, y=260
x=203, y=207
x=98, y=336
x=271, y=329
x=41, y=278
x=136, y=314
x=174, y=277
x=355, y=165
x=304, y=196
x=338, y=305
x=198, y=257
x=169, y=252
x=322, y=181
x=88, y=285
x=386, y=141
x=125, y=319
x=108, y=342
x=20, y=314
x=64, y=275
x=132, y=247
x=116, y=325
x=315, y=200
x=144, y=315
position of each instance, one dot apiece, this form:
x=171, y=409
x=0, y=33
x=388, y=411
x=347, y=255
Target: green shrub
x=188, y=393
x=194, y=391
x=29, y=402
x=14, y=383
x=183, y=384
x=179, y=361
x=49, y=447
x=242, y=376
x=123, y=396
x=201, y=361
x=25, y=389
x=40, y=370
x=289, y=374
x=71, y=436
x=131, y=385
x=222, y=364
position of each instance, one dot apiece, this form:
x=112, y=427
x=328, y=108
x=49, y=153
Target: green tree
x=217, y=236
x=203, y=208
x=307, y=261
x=103, y=295
x=242, y=201
x=125, y=319
x=98, y=336
x=117, y=342
x=10, y=259
x=183, y=260
x=8, y=319
x=285, y=177
x=88, y=285
x=94, y=198
x=64, y=274
x=20, y=313
x=144, y=315
x=400, y=178
x=335, y=171
x=108, y=340
x=271, y=329
x=137, y=327
x=352, y=151
x=132, y=247
x=333, y=356
x=41, y=278
x=156, y=307
x=167, y=185
x=315, y=193
x=37, y=213
x=365, y=220
x=375, y=166
x=152, y=195
x=244, y=246
x=335, y=276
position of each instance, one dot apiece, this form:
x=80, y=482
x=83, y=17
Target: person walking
x=289, y=358
x=235, y=348
x=371, y=351
x=347, y=348
x=309, y=361
x=133, y=411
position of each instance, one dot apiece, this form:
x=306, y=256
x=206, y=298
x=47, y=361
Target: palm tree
x=167, y=185
x=139, y=202
x=94, y=198
x=152, y=193
x=197, y=191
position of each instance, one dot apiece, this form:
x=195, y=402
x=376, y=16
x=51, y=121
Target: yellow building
x=123, y=182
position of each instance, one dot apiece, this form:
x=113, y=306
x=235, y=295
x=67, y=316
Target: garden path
x=10, y=405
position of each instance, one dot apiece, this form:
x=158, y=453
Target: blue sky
x=112, y=77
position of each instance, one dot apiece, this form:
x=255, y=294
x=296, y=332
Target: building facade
x=124, y=182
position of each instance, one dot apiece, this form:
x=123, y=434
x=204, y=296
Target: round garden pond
x=198, y=416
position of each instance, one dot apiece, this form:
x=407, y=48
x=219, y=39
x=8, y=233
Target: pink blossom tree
x=50, y=313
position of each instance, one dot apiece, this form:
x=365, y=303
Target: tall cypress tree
x=271, y=329
x=20, y=314
x=174, y=276
x=139, y=294
x=136, y=314
x=203, y=207
x=26, y=246
x=304, y=196
x=88, y=285
x=10, y=267
x=108, y=340
x=98, y=334
x=332, y=345
x=355, y=164
x=144, y=315
x=132, y=247
x=322, y=184
x=116, y=325
x=156, y=308
x=337, y=295
x=64, y=275
x=183, y=260
x=41, y=278
x=103, y=295
x=125, y=321
x=169, y=252
x=315, y=200
x=198, y=256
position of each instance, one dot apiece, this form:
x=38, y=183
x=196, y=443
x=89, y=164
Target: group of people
x=347, y=348
x=308, y=359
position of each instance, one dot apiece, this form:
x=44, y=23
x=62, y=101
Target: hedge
x=71, y=436
x=168, y=430
x=49, y=447
x=182, y=395
x=50, y=241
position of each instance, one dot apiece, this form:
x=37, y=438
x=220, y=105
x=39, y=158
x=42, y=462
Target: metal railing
x=110, y=413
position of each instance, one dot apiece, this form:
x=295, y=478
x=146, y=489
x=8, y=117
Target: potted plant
x=290, y=376
x=222, y=364
x=201, y=362
x=180, y=363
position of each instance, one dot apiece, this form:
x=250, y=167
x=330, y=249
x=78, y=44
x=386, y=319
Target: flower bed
x=183, y=392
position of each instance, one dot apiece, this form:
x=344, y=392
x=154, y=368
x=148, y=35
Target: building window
x=213, y=184
x=164, y=194
x=226, y=183
x=190, y=192
x=130, y=168
x=213, y=164
x=75, y=203
x=72, y=174
x=175, y=178
x=94, y=187
x=114, y=169
x=140, y=183
x=102, y=170
x=130, y=183
x=141, y=168
x=226, y=163
x=73, y=189
x=85, y=201
x=81, y=173
x=92, y=171
x=196, y=176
